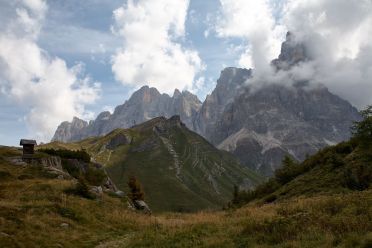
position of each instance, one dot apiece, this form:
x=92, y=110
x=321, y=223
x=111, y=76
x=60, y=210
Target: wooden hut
x=28, y=148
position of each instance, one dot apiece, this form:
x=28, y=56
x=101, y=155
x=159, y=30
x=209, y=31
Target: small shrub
x=344, y=148
x=95, y=176
x=335, y=160
x=270, y=198
x=274, y=231
x=25, y=177
x=80, y=189
x=289, y=170
x=72, y=169
x=68, y=154
x=362, y=130
x=135, y=187
x=4, y=175
x=68, y=213
x=358, y=176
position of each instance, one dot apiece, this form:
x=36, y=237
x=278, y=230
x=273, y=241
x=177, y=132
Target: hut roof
x=27, y=142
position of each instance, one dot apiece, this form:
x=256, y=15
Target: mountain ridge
x=259, y=125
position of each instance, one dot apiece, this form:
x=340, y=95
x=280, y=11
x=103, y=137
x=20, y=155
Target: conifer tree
x=135, y=187
x=362, y=130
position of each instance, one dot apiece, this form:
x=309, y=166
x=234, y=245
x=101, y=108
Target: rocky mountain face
x=68, y=131
x=259, y=125
x=144, y=104
x=292, y=52
x=229, y=84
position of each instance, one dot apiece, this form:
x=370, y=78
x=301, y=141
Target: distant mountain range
x=180, y=170
x=259, y=126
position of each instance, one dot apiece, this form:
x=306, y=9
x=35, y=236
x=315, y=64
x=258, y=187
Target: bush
x=68, y=213
x=95, y=176
x=345, y=147
x=68, y=154
x=80, y=189
x=362, y=130
x=358, y=176
x=270, y=198
x=71, y=168
x=136, y=192
x=4, y=175
x=289, y=170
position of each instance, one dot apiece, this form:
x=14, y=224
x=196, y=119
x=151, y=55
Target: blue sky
x=77, y=31
x=59, y=59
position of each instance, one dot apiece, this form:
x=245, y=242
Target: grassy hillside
x=340, y=169
x=35, y=212
x=180, y=171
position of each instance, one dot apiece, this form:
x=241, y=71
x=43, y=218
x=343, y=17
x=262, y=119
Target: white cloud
x=254, y=22
x=336, y=33
x=150, y=53
x=31, y=78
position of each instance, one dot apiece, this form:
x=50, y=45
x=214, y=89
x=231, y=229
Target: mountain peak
x=176, y=93
x=292, y=53
x=76, y=119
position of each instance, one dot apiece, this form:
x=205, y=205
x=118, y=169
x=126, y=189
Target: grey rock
x=145, y=104
x=231, y=83
x=109, y=185
x=119, y=140
x=4, y=234
x=147, y=145
x=142, y=206
x=96, y=190
x=260, y=127
x=65, y=225
x=120, y=193
x=292, y=53
x=70, y=131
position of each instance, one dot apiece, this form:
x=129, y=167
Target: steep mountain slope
x=180, y=170
x=143, y=105
x=342, y=168
x=261, y=124
x=259, y=127
x=73, y=130
x=231, y=81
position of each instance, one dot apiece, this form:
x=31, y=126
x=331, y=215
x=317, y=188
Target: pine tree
x=235, y=199
x=135, y=187
x=362, y=130
x=288, y=170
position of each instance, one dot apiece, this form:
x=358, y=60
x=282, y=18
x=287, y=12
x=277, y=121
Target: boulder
x=119, y=140
x=142, y=206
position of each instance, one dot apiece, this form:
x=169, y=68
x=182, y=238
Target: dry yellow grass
x=32, y=211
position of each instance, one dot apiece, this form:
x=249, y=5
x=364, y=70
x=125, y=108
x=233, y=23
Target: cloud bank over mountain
x=152, y=53
x=335, y=33
x=45, y=86
x=253, y=21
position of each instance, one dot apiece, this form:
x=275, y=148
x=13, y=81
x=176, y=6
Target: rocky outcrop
x=229, y=85
x=292, y=53
x=260, y=127
x=119, y=140
x=70, y=131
